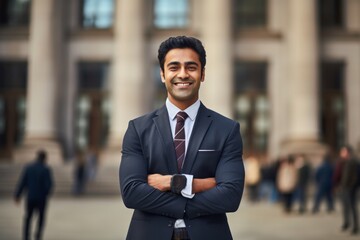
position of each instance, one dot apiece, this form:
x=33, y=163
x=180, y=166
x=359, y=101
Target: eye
x=192, y=68
x=173, y=68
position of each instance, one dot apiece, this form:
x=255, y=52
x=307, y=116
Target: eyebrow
x=186, y=63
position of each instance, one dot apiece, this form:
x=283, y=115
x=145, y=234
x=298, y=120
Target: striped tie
x=179, y=139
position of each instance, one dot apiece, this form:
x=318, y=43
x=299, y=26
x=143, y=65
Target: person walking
x=181, y=168
x=324, y=175
x=80, y=177
x=37, y=181
x=287, y=179
x=304, y=171
x=253, y=177
x=348, y=187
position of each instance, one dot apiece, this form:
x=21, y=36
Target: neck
x=182, y=105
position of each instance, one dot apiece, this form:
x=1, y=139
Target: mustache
x=178, y=80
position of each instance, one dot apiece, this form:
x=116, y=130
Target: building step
x=106, y=181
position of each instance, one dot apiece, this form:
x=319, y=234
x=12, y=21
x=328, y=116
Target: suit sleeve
x=135, y=190
x=230, y=174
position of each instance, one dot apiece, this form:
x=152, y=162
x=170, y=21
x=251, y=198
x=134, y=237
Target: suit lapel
x=202, y=124
x=163, y=126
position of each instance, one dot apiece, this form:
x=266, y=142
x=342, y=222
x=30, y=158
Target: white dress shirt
x=188, y=127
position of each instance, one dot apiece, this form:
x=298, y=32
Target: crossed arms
x=219, y=194
x=162, y=183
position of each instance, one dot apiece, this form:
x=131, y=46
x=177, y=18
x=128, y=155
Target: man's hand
x=160, y=182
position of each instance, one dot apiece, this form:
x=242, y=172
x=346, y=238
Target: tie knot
x=181, y=116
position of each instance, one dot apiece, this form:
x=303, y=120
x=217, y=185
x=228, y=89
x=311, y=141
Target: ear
x=162, y=75
x=203, y=75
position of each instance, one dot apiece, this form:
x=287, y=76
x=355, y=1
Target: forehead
x=182, y=55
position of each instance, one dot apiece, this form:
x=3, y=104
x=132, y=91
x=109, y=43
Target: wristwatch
x=178, y=183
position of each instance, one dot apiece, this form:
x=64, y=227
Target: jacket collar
x=202, y=124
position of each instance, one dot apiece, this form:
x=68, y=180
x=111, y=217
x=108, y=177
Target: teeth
x=183, y=84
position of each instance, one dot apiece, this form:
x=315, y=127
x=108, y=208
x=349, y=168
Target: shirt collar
x=191, y=110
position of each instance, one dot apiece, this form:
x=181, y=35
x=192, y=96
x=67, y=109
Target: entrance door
x=13, y=75
x=92, y=124
x=333, y=105
x=251, y=106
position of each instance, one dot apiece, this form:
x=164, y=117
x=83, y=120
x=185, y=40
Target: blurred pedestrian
x=91, y=165
x=80, y=175
x=267, y=188
x=304, y=171
x=252, y=177
x=324, y=185
x=348, y=189
x=37, y=181
x=274, y=169
x=286, y=182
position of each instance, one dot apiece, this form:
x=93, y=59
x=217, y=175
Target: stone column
x=129, y=82
x=216, y=92
x=303, y=132
x=41, y=129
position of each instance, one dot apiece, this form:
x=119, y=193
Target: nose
x=183, y=74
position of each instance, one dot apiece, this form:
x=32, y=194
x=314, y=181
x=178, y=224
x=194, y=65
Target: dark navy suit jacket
x=36, y=179
x=214, y=150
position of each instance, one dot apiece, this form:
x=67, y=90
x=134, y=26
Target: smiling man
x=181, y=169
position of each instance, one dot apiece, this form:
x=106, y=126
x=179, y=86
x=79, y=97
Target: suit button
x=170, y=224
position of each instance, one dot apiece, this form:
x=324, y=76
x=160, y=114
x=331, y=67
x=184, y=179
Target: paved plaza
x=106, y=218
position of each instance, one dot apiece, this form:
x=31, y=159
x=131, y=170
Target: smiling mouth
x=183, y=84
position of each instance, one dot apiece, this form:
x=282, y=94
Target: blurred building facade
x=74, y=72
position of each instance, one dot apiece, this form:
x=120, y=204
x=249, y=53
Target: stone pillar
x=303, y=132
x=217, y=90
x=40, y=129
x=129, y=81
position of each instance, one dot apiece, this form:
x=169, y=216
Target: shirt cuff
x=187, y=191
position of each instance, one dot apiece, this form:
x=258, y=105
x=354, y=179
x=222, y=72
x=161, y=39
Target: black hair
x=41, y=155
x=181, y=42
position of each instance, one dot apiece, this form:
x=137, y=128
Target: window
x=251, y=105
x=333, y=105
x=93, y=75
x=250, y=13
x=331, y=13
x=171, y=14
x=97, y=14
x=14, y=13
x=93, y=106
x=13, y=75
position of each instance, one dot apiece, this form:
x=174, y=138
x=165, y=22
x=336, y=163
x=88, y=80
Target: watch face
x=178, y=183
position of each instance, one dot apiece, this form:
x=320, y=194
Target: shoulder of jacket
x=146, y=116
x=217, y=116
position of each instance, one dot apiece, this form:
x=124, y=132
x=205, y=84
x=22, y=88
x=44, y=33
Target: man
x=181, y=180
x=36, y=179
x=324, y=175
x=348, y=188
x=304, y=171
